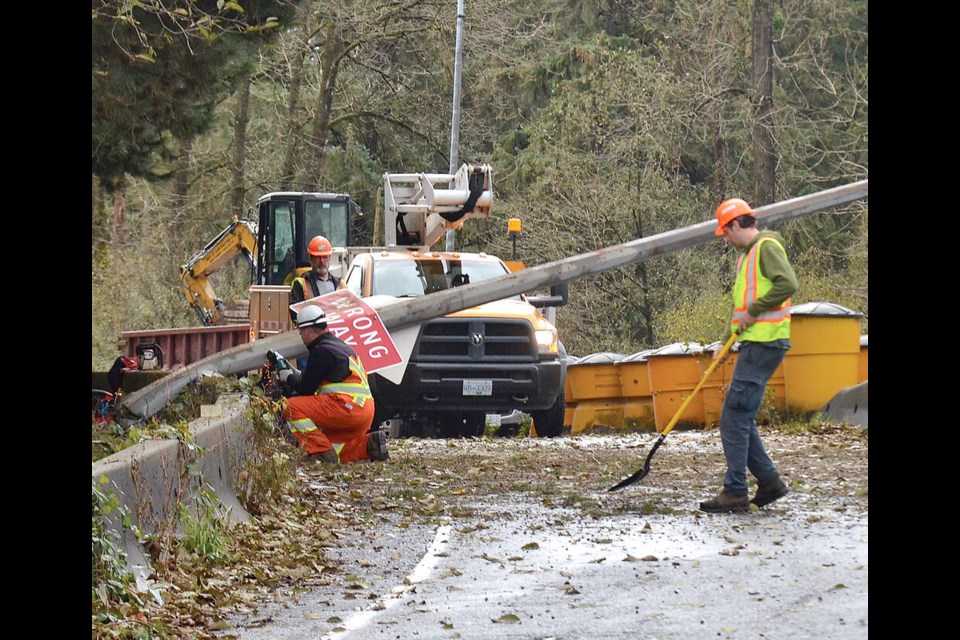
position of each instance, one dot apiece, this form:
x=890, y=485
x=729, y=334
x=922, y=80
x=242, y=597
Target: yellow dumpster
x=825, y=354
x=569, y=402
x=638, y=412
x=724, y=372
x=594, y=377
x=595, y=388
x=592, y=415
x=674, y=371
x=862, y=368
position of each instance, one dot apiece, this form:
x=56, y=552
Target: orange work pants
x=331, y=421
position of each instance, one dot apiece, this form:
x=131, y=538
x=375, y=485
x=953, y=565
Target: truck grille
x=452, y=339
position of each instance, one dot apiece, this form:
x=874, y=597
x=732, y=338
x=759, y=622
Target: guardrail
x=154, y=478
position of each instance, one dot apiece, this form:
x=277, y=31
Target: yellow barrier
x=825, y=354
x=591, y=414
x=638, y=413
x=594, y=377
x=644, y=390
x=596, y=390
x=675, y=370
x=862, y=365
x=570, y=401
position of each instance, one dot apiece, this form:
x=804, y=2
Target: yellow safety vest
x=308, y=287
x=751, y=284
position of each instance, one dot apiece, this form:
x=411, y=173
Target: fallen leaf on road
x=508, y=618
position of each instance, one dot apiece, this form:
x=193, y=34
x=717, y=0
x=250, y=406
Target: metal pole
x=455, y=124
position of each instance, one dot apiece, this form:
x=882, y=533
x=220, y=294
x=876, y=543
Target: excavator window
x=328, y=219
x=279, y=260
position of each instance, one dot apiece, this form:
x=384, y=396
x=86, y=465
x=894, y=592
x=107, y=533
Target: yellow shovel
x=641, y=473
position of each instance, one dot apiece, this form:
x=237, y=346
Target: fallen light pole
x=400, y=313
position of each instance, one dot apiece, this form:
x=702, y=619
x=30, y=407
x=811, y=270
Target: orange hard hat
x=729, y=210
x=319, y=246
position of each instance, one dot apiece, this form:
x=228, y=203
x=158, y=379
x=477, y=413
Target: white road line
x=420, y=573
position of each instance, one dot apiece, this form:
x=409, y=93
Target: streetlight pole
x=455, y=124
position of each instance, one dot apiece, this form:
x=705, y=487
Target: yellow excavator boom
x=238, y=238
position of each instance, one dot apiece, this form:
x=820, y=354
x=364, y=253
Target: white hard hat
x=311, y=316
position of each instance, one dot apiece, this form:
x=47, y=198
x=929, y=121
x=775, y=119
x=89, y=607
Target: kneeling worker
x=330, y=409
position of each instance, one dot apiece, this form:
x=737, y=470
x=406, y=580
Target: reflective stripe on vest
x=306, y=290
x=354, y=385
x=752, y=284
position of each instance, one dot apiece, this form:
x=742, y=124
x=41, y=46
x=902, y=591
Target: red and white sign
x=357, y=324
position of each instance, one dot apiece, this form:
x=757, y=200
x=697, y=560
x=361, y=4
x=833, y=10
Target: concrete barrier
x=152, y=479
x=849, y=405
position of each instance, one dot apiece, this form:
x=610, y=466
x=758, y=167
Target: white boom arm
x=412, y=203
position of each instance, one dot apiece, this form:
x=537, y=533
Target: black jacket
x=328, y=362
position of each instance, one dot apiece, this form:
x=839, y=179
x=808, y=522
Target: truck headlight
x=546, y=341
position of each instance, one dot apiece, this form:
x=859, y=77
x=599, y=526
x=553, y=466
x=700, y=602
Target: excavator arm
x=238, y=238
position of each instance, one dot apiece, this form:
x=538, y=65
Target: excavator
x=275, y=245
x=238, y=238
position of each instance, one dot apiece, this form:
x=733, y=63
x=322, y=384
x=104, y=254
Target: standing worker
x=331, y=408
x=315, y=282
x=318, y=280
x=761, y=316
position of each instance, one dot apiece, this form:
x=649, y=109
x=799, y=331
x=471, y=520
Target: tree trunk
x=240, y=146
x=641, y=271
x=764, y=148
x=329, y=66
x=180, y=188
x=289, y=170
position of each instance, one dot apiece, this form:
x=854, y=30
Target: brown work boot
x=773, y=491
x=377, y=445
x=726, y=503
x=324, y=456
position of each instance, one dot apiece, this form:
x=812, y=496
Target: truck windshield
x=418, y=277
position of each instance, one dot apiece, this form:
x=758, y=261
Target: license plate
x=478, y=387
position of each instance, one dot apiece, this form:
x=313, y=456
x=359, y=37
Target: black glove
x=277, y=360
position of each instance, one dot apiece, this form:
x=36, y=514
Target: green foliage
x=117, y=608
x=205, y=524
x=604, y=122
x=267, y=474
x=110, y=579
x=153, y=84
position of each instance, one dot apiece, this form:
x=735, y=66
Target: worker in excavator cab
x=330, y=407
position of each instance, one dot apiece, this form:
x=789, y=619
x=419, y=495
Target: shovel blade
x=626, y=482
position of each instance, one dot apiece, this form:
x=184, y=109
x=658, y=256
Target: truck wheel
x=549, y=422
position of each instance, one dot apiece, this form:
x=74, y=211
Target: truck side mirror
x=560, y=290
x=557, y=297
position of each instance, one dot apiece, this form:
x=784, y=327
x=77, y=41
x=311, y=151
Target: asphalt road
x=519, y=567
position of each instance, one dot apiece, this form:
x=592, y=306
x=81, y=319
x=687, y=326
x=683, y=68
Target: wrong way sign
x=359, y=325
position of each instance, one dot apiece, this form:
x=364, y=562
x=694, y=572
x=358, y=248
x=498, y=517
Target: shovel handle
x=713, y=365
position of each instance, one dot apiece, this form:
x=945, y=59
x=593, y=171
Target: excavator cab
x=288, y=220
